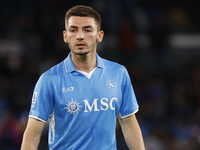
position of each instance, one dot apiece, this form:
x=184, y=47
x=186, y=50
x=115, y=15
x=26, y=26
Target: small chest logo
x=68, y=89
x=111, y=85
x=73, y=107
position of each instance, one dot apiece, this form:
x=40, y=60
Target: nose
x=80, y=35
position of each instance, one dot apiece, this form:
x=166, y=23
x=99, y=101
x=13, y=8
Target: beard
x=82, y=51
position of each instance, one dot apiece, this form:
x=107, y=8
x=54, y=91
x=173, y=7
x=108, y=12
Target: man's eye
x=72, y=30
x=87, y=30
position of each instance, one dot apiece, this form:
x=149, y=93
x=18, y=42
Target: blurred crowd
x=138, y=34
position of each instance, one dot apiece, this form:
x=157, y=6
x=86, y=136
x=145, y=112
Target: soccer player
x=83, y=95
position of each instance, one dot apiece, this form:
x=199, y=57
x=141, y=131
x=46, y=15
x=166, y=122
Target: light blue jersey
x=82, y=112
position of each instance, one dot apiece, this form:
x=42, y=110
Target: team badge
x=111, y=85
x=73, y=107
x=34, y=97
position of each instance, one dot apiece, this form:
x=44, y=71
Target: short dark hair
x=84, y=11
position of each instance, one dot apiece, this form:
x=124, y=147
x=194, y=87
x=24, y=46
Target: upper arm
x=132, y=132
x=32, y=134
x=34, y=127
x=130, y=126
x=128, y=122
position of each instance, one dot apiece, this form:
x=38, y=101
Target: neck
x=84, y=63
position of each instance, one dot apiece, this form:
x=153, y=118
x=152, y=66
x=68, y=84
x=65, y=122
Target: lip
x=80, y=44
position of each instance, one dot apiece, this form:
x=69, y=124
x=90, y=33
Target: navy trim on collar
x=69, y=66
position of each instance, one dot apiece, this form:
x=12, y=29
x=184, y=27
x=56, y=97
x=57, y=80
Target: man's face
x=82, y=35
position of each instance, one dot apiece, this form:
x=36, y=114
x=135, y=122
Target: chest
x=78, y=94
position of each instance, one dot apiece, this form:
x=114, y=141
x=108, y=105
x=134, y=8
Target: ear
x=100, y=36
x=65, y=36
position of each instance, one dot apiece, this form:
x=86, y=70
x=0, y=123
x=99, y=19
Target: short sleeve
x=42, y=101
x=129, y=103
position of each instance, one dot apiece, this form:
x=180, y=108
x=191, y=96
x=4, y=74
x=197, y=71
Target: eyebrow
x=83, y=26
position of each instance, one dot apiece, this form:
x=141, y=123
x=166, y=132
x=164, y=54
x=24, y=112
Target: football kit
x=81, y=109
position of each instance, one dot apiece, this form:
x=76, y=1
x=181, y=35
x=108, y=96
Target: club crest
x=111, y=85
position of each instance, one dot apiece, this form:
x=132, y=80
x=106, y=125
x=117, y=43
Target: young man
x=83, y=95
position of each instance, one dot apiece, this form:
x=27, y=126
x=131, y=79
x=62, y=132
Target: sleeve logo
x=34, y=97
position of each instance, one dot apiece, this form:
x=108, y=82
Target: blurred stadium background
x=158, y=41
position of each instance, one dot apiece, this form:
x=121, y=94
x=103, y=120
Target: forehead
x=81, y=21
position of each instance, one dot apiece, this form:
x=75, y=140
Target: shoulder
x=114, y=66
x=54, y=71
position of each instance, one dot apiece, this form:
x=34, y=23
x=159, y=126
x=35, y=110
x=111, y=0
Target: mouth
x=80, y=45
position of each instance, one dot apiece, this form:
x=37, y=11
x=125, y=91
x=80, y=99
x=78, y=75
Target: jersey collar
x=69, y=66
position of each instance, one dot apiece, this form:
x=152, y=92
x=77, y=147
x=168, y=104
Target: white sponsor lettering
x=104, y=104
x=87, y=105
x=111, y=103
